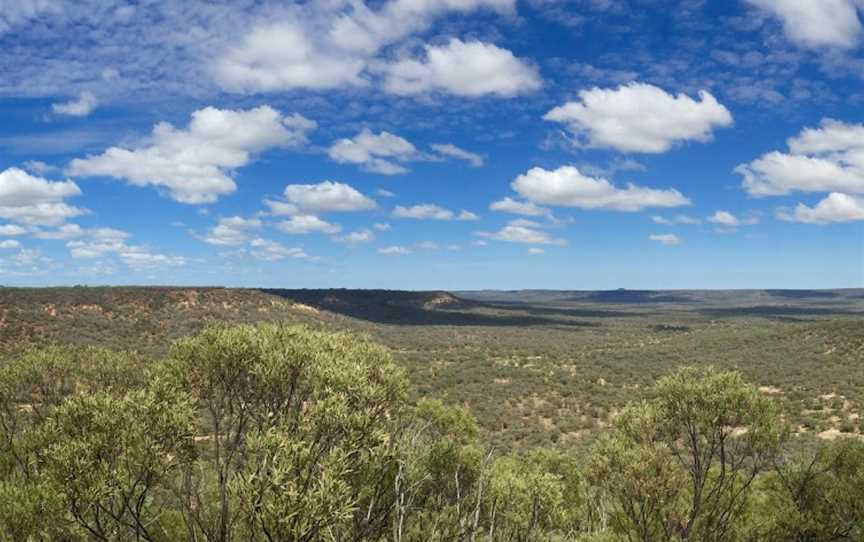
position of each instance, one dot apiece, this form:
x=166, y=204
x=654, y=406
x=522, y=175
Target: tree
x=289, y=414
x=691, y=456
x=107, y=457
x=441, y=475
x=33, y=387
x=531, y=497
x=817, y=496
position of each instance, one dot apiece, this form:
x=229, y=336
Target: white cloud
x=825, y=159
x=382, y=226
x=356, y=237
x=283, y=56
x=835, y=207
x=678, y=219
x=303, y=224
x=428, y=245
x=726, y=218
x=638, y=117
x=39, y=168
x=534, y=251
x=9, y=243
x=232, y=231
x=18, y=188
x=385, y=193
x=195, y=165
x=429, y=211
x=8, y=230
x=74, y=231
x=141, y=259
x=271, y=251
x=27, y=257
x=324, y=197
x=450, y=150
x=394, y=250
x=32, y=200
x=464, y=69
x=81, y=107
x=101, y=241
x=568, y=187
x=817, y=23
x=665, y=238
x=375, y=152
x=321, y=45
x=522, y=232
x=510, y=205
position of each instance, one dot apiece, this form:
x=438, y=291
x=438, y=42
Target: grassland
x=535, y=367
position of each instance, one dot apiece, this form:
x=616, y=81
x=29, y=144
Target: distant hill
x=383, y=306
x=139, y=318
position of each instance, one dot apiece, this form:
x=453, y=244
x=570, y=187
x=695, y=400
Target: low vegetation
x=535, y=368
x=281, y=432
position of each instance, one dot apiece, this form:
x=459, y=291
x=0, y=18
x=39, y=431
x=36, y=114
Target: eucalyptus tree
x=682, y=465
x=294, y=432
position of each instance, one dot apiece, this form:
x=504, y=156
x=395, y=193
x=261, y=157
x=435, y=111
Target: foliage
x=681, y=465
x=817, y=496
x=280, y=432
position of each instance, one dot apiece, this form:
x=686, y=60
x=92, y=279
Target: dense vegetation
x=279, y=432
x=535, y=368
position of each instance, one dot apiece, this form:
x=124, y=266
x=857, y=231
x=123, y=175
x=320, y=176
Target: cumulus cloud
x=34, y=201
x=534, y=251
x=141, y=259
x=272, y=251
x=817, y=23
x=74, y=231
x=835, y=207
x=382, y=226
x=303, y=224
x=510, y=205
x=324, y=197
x=825, y=159
x=678, y=219
x=9, y=243
x=522, y=232
x=452, y=151
x=725, y=218
x=464, y=69
x=665, y=238
x=639, y=117
x=378, y=153
x=568, y=187
x=80, y=107
x=195, y=165
x=386, y=153
x=356, y=237
x=39, y=168
x=98, y=242
x=394, y=250
x=321, y=45
x=429, y=211
x=9, y=230
x=232, y=231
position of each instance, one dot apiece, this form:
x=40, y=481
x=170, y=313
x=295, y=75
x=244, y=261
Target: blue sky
x=433, y=144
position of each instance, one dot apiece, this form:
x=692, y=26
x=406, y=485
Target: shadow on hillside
x=771, y=311
x=559, y=311
x=803, y=294
x=632, y=296
x=415, y=308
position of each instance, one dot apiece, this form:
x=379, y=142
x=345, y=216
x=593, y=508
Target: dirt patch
x=770, y=390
